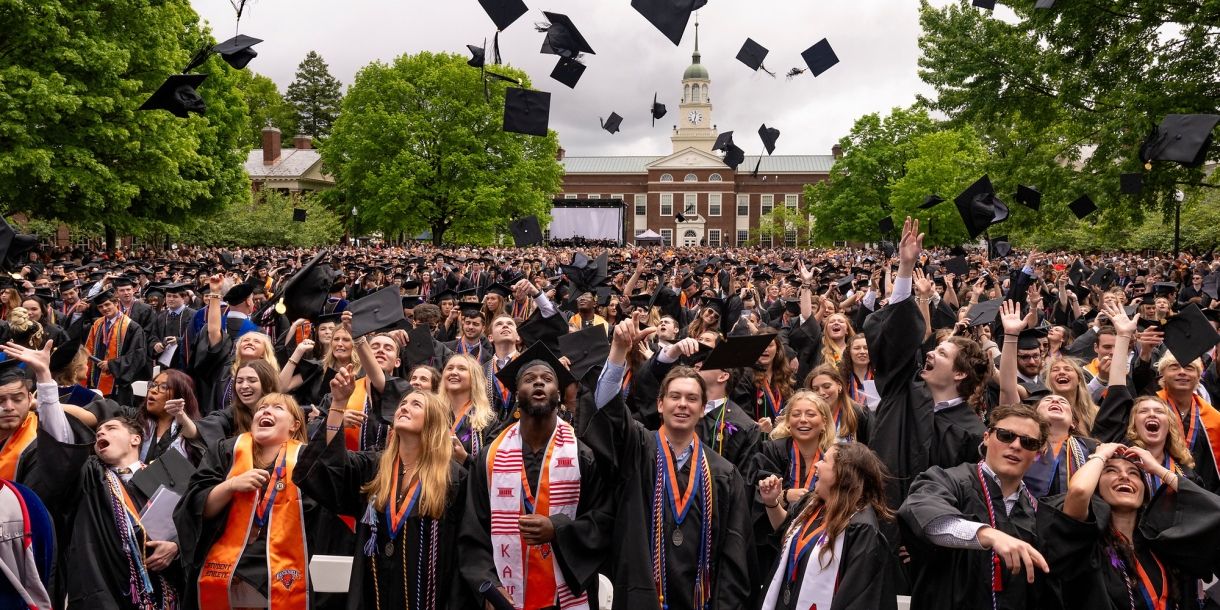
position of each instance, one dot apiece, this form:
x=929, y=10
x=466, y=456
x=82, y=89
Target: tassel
x=370, y=519
x=764, y=69
x=495, y=46
x=794, y=72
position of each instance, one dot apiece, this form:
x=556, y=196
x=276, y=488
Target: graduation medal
x=279, y=485
x=396, y=516
x=677, y=537
x=389, y=549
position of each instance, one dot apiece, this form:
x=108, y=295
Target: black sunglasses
x=1028, y=443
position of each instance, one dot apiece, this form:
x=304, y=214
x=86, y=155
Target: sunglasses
x=1005, y=436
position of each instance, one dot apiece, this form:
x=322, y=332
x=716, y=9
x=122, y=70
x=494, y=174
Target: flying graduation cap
x=820, y=57
x=562, y=37
x=979, y=207
x=1181, y=138
x=14, y=246
x=1082, y=206
x=658, y=110
x=1131, y=184
x=237, y=51
x=178, y=95
x=999, y=246
x=752, y=54
x=611, y=124
x=885, y=225
x=478, y=56
x=298, y=215
x=568, y=71
x=769, y=135
x=987, y=4
x=931, y=201
x=669, y=16
x=733, y=156
x=504, y=12
x=526, y=231
x=526, y=111
x=1028, y=196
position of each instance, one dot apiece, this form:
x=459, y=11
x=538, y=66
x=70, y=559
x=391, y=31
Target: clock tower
x=695, y=128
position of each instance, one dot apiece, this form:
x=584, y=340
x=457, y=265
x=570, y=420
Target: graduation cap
x=14, y=246
x=562, y=37
x=526, y=111
x=723, y=141
x=820, y=57
x=1189, y=334
x=537, y=351
x=733, y=156
x=983, y=313
x=298, y=215
x=303, y=295
x=11, y=370
x=1131, y=184
x=979, y=207
x=419, y=348
x=1076, y=273
x=500, y=289
x=769, y=135
x=568, y=71
x=737, y=352
x=957, y=266
x=752, y=54
x=1028, y=338
x=526, y=231
x=178, y=95
x=239, y=293
x=669, y=16
x=411, y=301
x=611, y=124
x=1103, y=278
x=1181, y=138
x=504, y=12
x=64, y=355
x=1164, y=288
x=376, y=311
x=447, y=294
x=1000, y=246
x=478, y=56
x=888, y=248
x=987, y=4
x=172, y=470
x=470, y=310
x=236, y=51
x=885, y=225
x=1082, y=206
x=931, y=201
x=585, y=349
x=1028, y=196
x=658, y=110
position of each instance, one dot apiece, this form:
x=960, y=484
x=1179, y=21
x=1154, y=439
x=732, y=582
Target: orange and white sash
x=351, y=434
x=16, y=444
x=110, y=344
x=510, y=498
x=287, y=559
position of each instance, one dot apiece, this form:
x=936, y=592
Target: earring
x=517, y=414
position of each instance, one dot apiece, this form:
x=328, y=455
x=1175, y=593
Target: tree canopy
x=267, y=221
x=418, y=148
x=315, y=96
x=267, y=107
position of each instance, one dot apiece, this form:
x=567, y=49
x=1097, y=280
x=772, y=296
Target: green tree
x=73, y=145
x=857, y=195
x=316, y=97
x=418, y=148
x=944, y=162
x=267, y=221
x=779, y=221
x=267, y=107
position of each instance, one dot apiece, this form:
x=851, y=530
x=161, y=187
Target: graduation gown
x=211, y=366
x=774, y=457
x=481, y=350
x=162, y=327
x=143, y=314
x=907, y=435
x=325, y=534
x=131, y=364
x=730, y=432
x=626, y=456
x=1049, y=474
x=949, y=579
x=333, y=477
x=96, y=558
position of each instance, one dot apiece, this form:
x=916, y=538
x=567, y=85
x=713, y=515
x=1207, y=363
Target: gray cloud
x=876, y=41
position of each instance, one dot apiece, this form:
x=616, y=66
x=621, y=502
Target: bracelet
x=359, y=342
x=1013, y=336
x=1126, y=336
x=1096, y=456
x=776, y=505
x=293, y=362
x=214, y=296
x=334, y=428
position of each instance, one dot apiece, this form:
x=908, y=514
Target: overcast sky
x=876, y=41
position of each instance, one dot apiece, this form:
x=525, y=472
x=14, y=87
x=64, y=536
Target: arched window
x=705, y=92
x=714, y=178
x=691, y=178
x=695, y=94
x=666, y=178
x=690, y=233
x=686, y=93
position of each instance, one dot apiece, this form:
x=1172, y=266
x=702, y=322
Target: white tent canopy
x=648, y=237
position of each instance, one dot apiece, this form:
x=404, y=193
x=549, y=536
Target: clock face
x=694, y=117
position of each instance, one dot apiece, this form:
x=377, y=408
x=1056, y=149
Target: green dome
x=696, y=70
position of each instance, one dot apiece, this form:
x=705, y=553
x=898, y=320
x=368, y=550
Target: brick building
x=718, y=206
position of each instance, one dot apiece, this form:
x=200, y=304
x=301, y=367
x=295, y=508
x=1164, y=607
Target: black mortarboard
x=769, y=135
x=1000, y=246
x=752, y=54
x=611, y=124
x=1076, y=272
x=792, y=305
x=64, y=354
x=411, y=301
x=885, y=225
x=171, y=470
x=1189, y=335
x=979, y=207
x=1082, y=206
x=303, y=295
x=478, y=56
x=298, y=215
x=658, y=110
x=1164, y=288
x=1028, y=339
x=1181, y=138
x=1028, y=196
x=526, y=231
x=375, y=311
x=820, y=57
x=733, y=156
x=1044, y=4
x=931, y=201
x=11, y=370
x=122, y=282
x=723, y=141
x=419, y=348
x=983, y=313
x=538, y=351
x=562, y=37
x=737, y=352
x=1131, y=184
x=567, y=71
x=470, y=310
x=585, y=349
x=641, y=300
x=151, y=291
x=957, y=266
x=177, y=95
x=445, y=295
x=1103, y=278
x=333, y=318
x=888, y=248
x=958, y=251
x=669, y=16
x=526, y=111
x=236, y=51
x=987, y=4
x=500, y=289
x=504, y=12
x=239, y=293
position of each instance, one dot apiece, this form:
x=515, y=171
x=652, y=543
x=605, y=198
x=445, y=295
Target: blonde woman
x=852, y=421
x=408, y=499
x=464, y=389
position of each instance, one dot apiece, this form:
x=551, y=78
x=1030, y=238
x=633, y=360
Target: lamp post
x=1178, y=196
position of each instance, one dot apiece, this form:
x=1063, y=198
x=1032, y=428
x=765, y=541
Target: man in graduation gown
x=117, y=346
x=212, y=352
x=924, y=418
x=970, y=529
x=705, y=556
x=504, y=338
x=70, y=311
x=537, y=512
x=170, y=327
x=140, y=312
x=470, y=339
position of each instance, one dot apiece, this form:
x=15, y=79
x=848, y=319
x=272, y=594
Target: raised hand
x=909, y=247
x=1010, y=317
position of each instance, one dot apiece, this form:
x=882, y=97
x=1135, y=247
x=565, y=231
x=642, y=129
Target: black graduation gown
x=580, y=544
x=1110, y=426
x=210, y=367
x=333, y=476
x=949, y=579
x=132, y=363
x=325, y=534
x=216, y=426
x=741, y=436
x=96, y=558
x=142, y=313
x=774, y=457
x=907, y=435
x=1048, y=475
x=161, y=328
x=626, y=455
x=865, y=576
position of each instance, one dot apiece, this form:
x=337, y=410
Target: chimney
x=559, y=154
x=302, y=142
x=271, y=145
x=836, y=150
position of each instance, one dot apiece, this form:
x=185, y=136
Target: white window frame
x=571, y=196
x=667, y=204
x=641, y=205
x=715, y=178
x=690, y=204
x=792, y=201
x=619, y=197
x=766, y=204
x=742, y=238
x=666, y=178
x=713, y=204
x=790, y=239
x=713, y=238
x=690, y=178
x=667, y=237
x=743, y=200
x=764, y=241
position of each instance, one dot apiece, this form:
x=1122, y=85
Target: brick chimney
x=271, y=145
x=836, y=150
x=302, y=142
x=559, y=154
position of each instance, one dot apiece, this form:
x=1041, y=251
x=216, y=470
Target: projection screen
x=589, y=223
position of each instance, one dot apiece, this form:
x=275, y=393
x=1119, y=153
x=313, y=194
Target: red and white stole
x=529, y=573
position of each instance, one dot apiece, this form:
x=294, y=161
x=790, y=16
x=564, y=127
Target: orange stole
x=1211, y=421
x=286, y=551
x=15, y=445
x=105, y=381
x=351, y=434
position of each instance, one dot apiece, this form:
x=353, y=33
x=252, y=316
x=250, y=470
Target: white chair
x=605, y=592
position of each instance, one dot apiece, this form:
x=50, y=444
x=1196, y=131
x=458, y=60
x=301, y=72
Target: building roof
x=808, y=164
x=293, y=163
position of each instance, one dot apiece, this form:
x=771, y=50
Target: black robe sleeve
x=1183, y=528
x=132, y=363
x=1113, y=415
x=216, y=427
x=332, y=476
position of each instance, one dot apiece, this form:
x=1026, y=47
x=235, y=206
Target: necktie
x=172, y=321
x=122, y=471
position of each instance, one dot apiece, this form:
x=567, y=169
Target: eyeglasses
x=1005, y=436
x=1029, y=356
x=162, y=387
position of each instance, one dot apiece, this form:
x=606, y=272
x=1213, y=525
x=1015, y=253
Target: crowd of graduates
x=699, y=428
